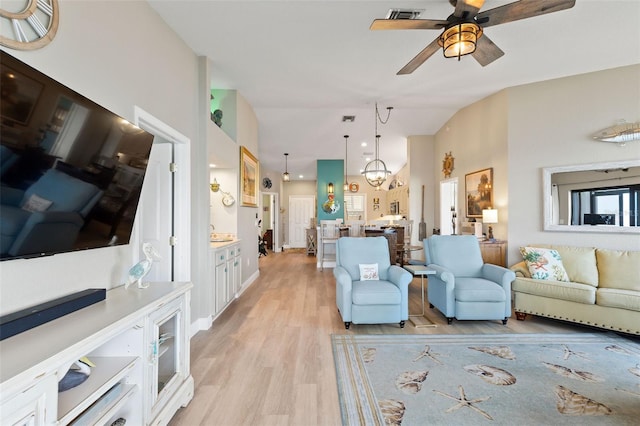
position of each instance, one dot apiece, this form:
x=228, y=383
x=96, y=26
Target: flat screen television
x=71, y=172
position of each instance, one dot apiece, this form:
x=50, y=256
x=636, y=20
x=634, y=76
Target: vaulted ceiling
x=304, y=64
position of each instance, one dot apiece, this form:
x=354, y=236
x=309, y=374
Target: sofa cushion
x=478, y=290
x=574, y=292
x=619, y=269
x=580, y=263
x=375, y=293
x=544, y=264
x=67, y=193
x=614, y=298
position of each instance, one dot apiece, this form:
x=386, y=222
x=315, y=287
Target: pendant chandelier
x=375, y=172
x=285, y=175
x=346, y=183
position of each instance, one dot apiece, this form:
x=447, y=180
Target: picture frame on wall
x=249, y=174
x=20, y=96
x=479, y=191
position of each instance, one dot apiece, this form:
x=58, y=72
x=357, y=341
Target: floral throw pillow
x=368, y=271
x=544, y=264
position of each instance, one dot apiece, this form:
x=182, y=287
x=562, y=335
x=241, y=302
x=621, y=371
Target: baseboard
x=205, y=323
x=200, y=324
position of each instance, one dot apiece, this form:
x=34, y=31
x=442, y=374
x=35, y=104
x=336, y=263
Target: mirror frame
x=547, y=204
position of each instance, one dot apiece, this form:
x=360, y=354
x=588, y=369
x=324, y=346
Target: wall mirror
x=600, y=197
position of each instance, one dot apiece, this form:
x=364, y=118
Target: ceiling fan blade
x=419, y=59
x=521, y=10
x=466, y=8
x=408, y=24
x=486, y=51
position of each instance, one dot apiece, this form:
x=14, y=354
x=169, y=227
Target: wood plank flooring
x=267, y=360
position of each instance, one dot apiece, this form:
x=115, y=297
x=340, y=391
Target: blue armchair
x=47, y=216
x=464, y=287
x=378, y=301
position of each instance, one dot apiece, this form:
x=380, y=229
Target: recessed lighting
x=367, y=159
x=363, y=144
x=300, y=176
x=212, y=165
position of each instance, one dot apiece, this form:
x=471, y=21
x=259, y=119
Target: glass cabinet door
x=166, y=365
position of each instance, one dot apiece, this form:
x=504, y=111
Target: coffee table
x=419, y=320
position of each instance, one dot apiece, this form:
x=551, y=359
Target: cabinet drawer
x=221, y=256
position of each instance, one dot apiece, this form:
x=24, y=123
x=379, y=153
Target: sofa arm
x=400, y=276
x=11, y=196
x=521, y=270
x=344, y=285
x=498, y=274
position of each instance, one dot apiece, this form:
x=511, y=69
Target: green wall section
x=330, y=171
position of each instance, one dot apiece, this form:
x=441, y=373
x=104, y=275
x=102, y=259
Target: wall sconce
x=215, y=186
x=330, y=188
x=490, y=216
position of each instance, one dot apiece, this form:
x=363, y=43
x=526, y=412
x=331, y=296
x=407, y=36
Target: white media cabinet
x=137, y=338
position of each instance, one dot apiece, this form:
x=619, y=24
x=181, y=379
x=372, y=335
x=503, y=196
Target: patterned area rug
x=516, y=379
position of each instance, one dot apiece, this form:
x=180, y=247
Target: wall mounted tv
x=71, y=171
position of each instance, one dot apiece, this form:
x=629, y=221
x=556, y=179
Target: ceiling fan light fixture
x=460, y=39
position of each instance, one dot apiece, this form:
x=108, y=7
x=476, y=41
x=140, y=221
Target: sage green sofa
x=603, y=289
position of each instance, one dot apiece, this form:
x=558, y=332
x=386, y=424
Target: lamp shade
x=489, y=216
x=459, y=40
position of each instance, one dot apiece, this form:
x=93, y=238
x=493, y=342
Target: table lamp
x=490, y=216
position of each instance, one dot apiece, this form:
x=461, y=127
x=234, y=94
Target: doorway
x=269, y=208
x=165, y=201
x=301, y=210
x=449, y=223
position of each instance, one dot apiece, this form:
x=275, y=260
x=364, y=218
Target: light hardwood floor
x=267, y=360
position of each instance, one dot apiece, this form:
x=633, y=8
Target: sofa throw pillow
x=544, y=264
x=368, y=271
x=36, y=204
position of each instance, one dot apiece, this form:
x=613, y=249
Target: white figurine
x=142, y=268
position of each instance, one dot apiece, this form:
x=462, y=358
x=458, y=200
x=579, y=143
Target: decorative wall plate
x=31, y=28
x=266, y=182
x=354, y=187
x=447, y=165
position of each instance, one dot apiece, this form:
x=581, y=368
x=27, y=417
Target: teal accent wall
x=330, y=171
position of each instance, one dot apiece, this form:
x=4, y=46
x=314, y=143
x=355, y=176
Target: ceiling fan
x=464, y=29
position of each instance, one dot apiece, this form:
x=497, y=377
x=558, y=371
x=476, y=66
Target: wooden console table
x=494, y=252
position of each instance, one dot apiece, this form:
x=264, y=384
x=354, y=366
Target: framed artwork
x=19, y=95
x=249, y=174
x=479, y=191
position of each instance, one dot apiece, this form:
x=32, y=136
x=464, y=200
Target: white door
x=156, y=204
x=301, y=210
x=449, y=207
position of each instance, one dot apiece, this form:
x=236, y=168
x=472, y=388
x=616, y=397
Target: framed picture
x=479, y=191
x=19, y=95
x=249, y=174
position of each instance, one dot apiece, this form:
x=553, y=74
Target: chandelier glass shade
x=460, y=39
x=285, y=175
x=375, y=172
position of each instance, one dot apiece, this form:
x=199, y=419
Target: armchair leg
x=347, y=324
x=431, y=305
x=449, y=321
x=401, y=324
x=504, y=321
x=520, y=316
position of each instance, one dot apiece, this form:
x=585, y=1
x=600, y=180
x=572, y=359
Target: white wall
x=139, y=61
x=550, y=124
x=477, y=138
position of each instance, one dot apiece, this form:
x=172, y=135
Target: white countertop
x=221, y=244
